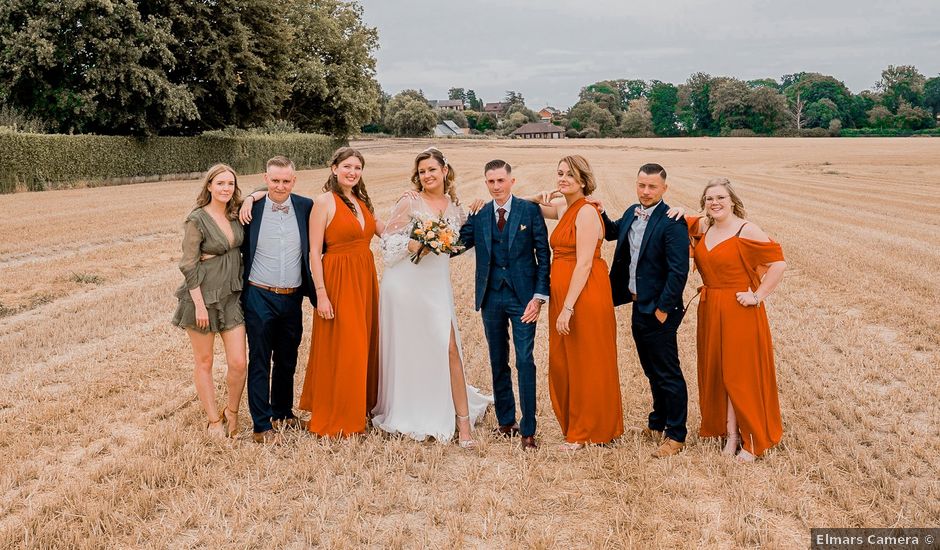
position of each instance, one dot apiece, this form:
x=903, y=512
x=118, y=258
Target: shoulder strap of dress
x=738, y=234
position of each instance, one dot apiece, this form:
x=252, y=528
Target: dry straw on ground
x=100, y=435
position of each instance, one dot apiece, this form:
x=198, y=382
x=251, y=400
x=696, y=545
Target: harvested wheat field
x=101, y=437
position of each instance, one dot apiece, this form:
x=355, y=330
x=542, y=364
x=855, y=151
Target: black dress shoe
x=506, y=431
x=528, y=443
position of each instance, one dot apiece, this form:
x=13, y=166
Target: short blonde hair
x=737, y=206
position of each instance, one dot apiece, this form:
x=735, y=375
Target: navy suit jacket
x=663, y=266
x=529, y=254
x=301, y=206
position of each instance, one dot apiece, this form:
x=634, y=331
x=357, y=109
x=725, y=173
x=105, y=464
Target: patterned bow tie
x=642, y=214
x=280, y=208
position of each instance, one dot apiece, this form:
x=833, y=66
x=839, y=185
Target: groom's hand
x=531, y=313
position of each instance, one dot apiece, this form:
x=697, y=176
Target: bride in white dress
x=422, y=389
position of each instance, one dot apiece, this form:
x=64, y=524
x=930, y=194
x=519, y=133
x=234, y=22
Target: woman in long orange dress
x=740, y=267
x=583, y=379
x=342, y=370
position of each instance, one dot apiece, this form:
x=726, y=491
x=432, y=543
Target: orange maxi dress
x=583, y=379
x=735, y=351
x=340, y=387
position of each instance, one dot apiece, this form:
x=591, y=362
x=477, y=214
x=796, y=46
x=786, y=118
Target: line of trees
x=409, y=113
x=146, y=67
x=797, y=104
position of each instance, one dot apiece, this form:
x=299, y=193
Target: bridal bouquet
x=436, y=235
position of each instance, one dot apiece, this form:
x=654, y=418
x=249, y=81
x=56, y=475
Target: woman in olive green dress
x=209, y=298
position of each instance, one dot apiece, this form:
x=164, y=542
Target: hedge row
x=888, y=132
x=41, y=161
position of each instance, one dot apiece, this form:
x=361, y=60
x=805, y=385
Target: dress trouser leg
x=284, y=343
x=658, y=349
x=523, y=338
x=496, y=330
x=260, y=319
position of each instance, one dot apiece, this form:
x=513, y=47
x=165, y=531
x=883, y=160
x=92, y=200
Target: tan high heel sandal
x=465, y=443
x=210, y=423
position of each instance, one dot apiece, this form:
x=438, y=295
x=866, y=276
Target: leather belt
x=275, y=289
x=634, y=297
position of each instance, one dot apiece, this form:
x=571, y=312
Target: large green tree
x=694, y=110
x=408, y=114
x=637, y=121
x=932, y=95
x=91, y=66
x=224, y=56
x=332, y=80
x=813, y=87
x=903, y=83
x=587, y=114
x=663, y=99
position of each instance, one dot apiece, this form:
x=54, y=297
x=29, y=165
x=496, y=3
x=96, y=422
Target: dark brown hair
x=653, y=169
x=496, y=164
x=359, y=190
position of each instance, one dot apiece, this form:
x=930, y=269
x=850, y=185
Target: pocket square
x=521, y=228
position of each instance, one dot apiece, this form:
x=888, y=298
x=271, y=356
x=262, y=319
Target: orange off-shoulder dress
x=342, y=370
x=735, y=350
x=583, y=380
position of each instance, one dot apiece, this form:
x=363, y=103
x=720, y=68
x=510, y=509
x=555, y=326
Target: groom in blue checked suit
x=512, y=268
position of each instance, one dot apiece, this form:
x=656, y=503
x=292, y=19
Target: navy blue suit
x=274, y=324
x=511, y=266
x=661, y=274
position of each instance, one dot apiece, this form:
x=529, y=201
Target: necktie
x=642, y=214
x=280, y=208
x=501, y=222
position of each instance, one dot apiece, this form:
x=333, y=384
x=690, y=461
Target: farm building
x=539, y=130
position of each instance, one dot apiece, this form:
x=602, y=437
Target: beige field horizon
x=101, y=437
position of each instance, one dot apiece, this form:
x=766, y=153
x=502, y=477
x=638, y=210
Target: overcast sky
x=549, y=49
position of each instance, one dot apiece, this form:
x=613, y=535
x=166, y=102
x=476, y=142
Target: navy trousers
x=501, y=309
x=274, y=323
x=658, y=349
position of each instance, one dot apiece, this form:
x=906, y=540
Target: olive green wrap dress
x=218, y=277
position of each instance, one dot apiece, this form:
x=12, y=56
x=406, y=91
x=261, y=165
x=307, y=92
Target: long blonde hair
x=205, y=197
x=449, y=181
x=736, y=203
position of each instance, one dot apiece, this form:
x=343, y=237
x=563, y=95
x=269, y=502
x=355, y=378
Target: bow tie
x=642, y=214
x=280, y=208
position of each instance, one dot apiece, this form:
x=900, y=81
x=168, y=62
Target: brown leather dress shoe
x=668, y=448
x=506, y=431
x=269, y=437
x=528, y=443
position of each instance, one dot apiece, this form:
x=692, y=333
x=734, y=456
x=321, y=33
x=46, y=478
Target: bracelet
x=756, y=299
x=569, y=308
x=319, y=287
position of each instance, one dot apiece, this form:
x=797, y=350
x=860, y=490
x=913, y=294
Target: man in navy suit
x=649, y=269
x=512, y=267
x=276, y=253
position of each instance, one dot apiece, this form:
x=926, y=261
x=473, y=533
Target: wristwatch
x=540, y=300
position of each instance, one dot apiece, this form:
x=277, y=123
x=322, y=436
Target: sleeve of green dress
x=192, y=250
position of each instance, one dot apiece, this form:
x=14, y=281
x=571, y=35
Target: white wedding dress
x=416, y=313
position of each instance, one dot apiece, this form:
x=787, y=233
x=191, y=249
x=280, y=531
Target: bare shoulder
x=324, y=199
x=587, y=214
x=753, y=232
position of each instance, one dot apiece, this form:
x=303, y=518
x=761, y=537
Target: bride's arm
x=396, y=237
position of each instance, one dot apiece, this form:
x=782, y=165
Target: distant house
x=446, y=104
x=538, y=130
x=448, y=128
x=547, y=113
x=496, y=109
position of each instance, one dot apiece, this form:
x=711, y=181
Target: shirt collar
x=507, y=206
x=650, y=209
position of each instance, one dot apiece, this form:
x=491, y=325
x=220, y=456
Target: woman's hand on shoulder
x=475, y=206
x=244, y=213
